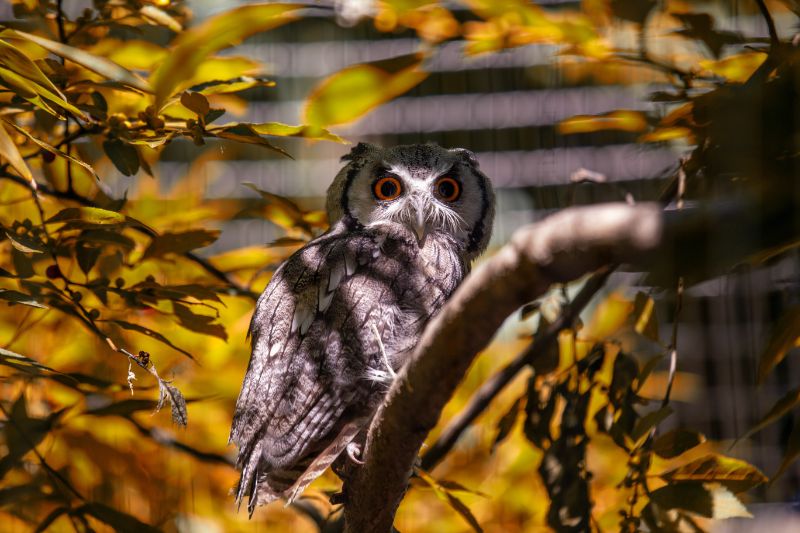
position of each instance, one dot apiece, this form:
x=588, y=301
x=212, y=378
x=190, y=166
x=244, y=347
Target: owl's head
x=425, y=187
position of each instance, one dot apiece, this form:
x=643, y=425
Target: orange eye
x=387, y=188
x=447, y=189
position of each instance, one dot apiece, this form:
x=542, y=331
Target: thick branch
x=557, y=249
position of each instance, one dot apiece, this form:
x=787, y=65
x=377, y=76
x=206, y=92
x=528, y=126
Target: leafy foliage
x=87, y=278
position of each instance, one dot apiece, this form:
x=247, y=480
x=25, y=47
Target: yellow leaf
x=736, y=68
x=622, y=120
x=132, y=54
x=160, y=17
x=10, y=152
x=216, y=33
x=667, y=134
x=354, y=91
x=285, y=130
x=735, y=474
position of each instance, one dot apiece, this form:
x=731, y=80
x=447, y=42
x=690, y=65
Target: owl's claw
x=353, y=451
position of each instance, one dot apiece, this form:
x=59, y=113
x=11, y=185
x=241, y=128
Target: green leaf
x=150, y=333
x=354, y=91
x=227, y=29
x=712, y=501
x=10, y=152
x=735, y=474
x=124, y=156
x=195, y=102
x=90, y=215
x=99, y=65
x=675, y=442
x=784, y=335
x=121, y=522
x=179, y=243
x=20, y=298
x=278, y=129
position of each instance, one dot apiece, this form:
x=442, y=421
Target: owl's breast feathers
x=317, y=334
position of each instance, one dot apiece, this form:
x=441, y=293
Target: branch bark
x=558, y=249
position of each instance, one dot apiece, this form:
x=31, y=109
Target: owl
x=340, y=317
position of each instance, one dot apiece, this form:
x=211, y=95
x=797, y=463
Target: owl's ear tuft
x=358, y=151
x=467, y=156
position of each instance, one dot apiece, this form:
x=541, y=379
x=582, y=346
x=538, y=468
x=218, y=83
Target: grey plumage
x=405, y=224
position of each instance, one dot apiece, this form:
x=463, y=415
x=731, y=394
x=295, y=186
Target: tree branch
x=773, y=33
x=557, y=249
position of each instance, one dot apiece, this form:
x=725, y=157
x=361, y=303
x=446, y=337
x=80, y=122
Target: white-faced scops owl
x=343, y=313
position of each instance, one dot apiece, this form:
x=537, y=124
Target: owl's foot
x=353, y=451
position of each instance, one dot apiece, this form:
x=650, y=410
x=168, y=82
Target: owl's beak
x=419, y=227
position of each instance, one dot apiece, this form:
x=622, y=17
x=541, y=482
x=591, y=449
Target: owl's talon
x=354, y=452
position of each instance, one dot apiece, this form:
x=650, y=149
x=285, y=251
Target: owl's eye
x=447, y=189
x=387, y=188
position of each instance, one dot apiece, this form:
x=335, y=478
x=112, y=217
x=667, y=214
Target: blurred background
x=506, y=107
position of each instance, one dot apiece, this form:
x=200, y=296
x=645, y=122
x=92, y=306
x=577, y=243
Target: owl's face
x=424, y=187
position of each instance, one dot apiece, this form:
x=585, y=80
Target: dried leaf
x=195, y=102
x=171, y=394
x=20, y=298
x=27, y=244
x=709, y=500
x=735, y=474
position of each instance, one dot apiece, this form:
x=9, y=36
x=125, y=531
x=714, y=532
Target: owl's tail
x=290, y=483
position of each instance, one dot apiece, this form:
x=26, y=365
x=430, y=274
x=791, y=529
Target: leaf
x=20, y=298
x=792, y=451
x=50, y=518
x=506, y=423
x=99, y=65
x=10, y=152
x=736, y=68
x=121, y=522
x=784, y=335
x=160, y=17
x=781, y=407
x=632, y=10
x=22, y=433
x=622, y=120
x=19, y=62
x=91, y=215
x=244, y=133
x=354, y=91
x=192, y=46
x=123, y=407
x=26, y=244
x=195, y=102
x=179, y=243
x=445, y=495
x=278, y=129
x=675, y=442
x=735, y=474
x=233, y=85
x=712, y=501
x=87, y=256
x=649, y=421
x=150, y=333
x=170, y=393
x=53, y=150
x=124, y=156
x=198, y=323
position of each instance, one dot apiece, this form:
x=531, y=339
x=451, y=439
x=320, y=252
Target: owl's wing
x=310, y=353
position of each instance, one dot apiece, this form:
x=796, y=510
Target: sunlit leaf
x=179, y=243
x=26, y=244
x=16, y=60
x=160, y=17
x=246, y=134
x=53, y=150
x=10, y=152
x=667, y=134
x=285, y=130
x=783, y=337
x=354, y=91
x=735, y=474
x=100, y=65
x=632, y=121
x=37, y=94
x=226, y=29
x=91, y=215
x=234, y=85
x=649, y=421
x=675, y=442
x=736, y=68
